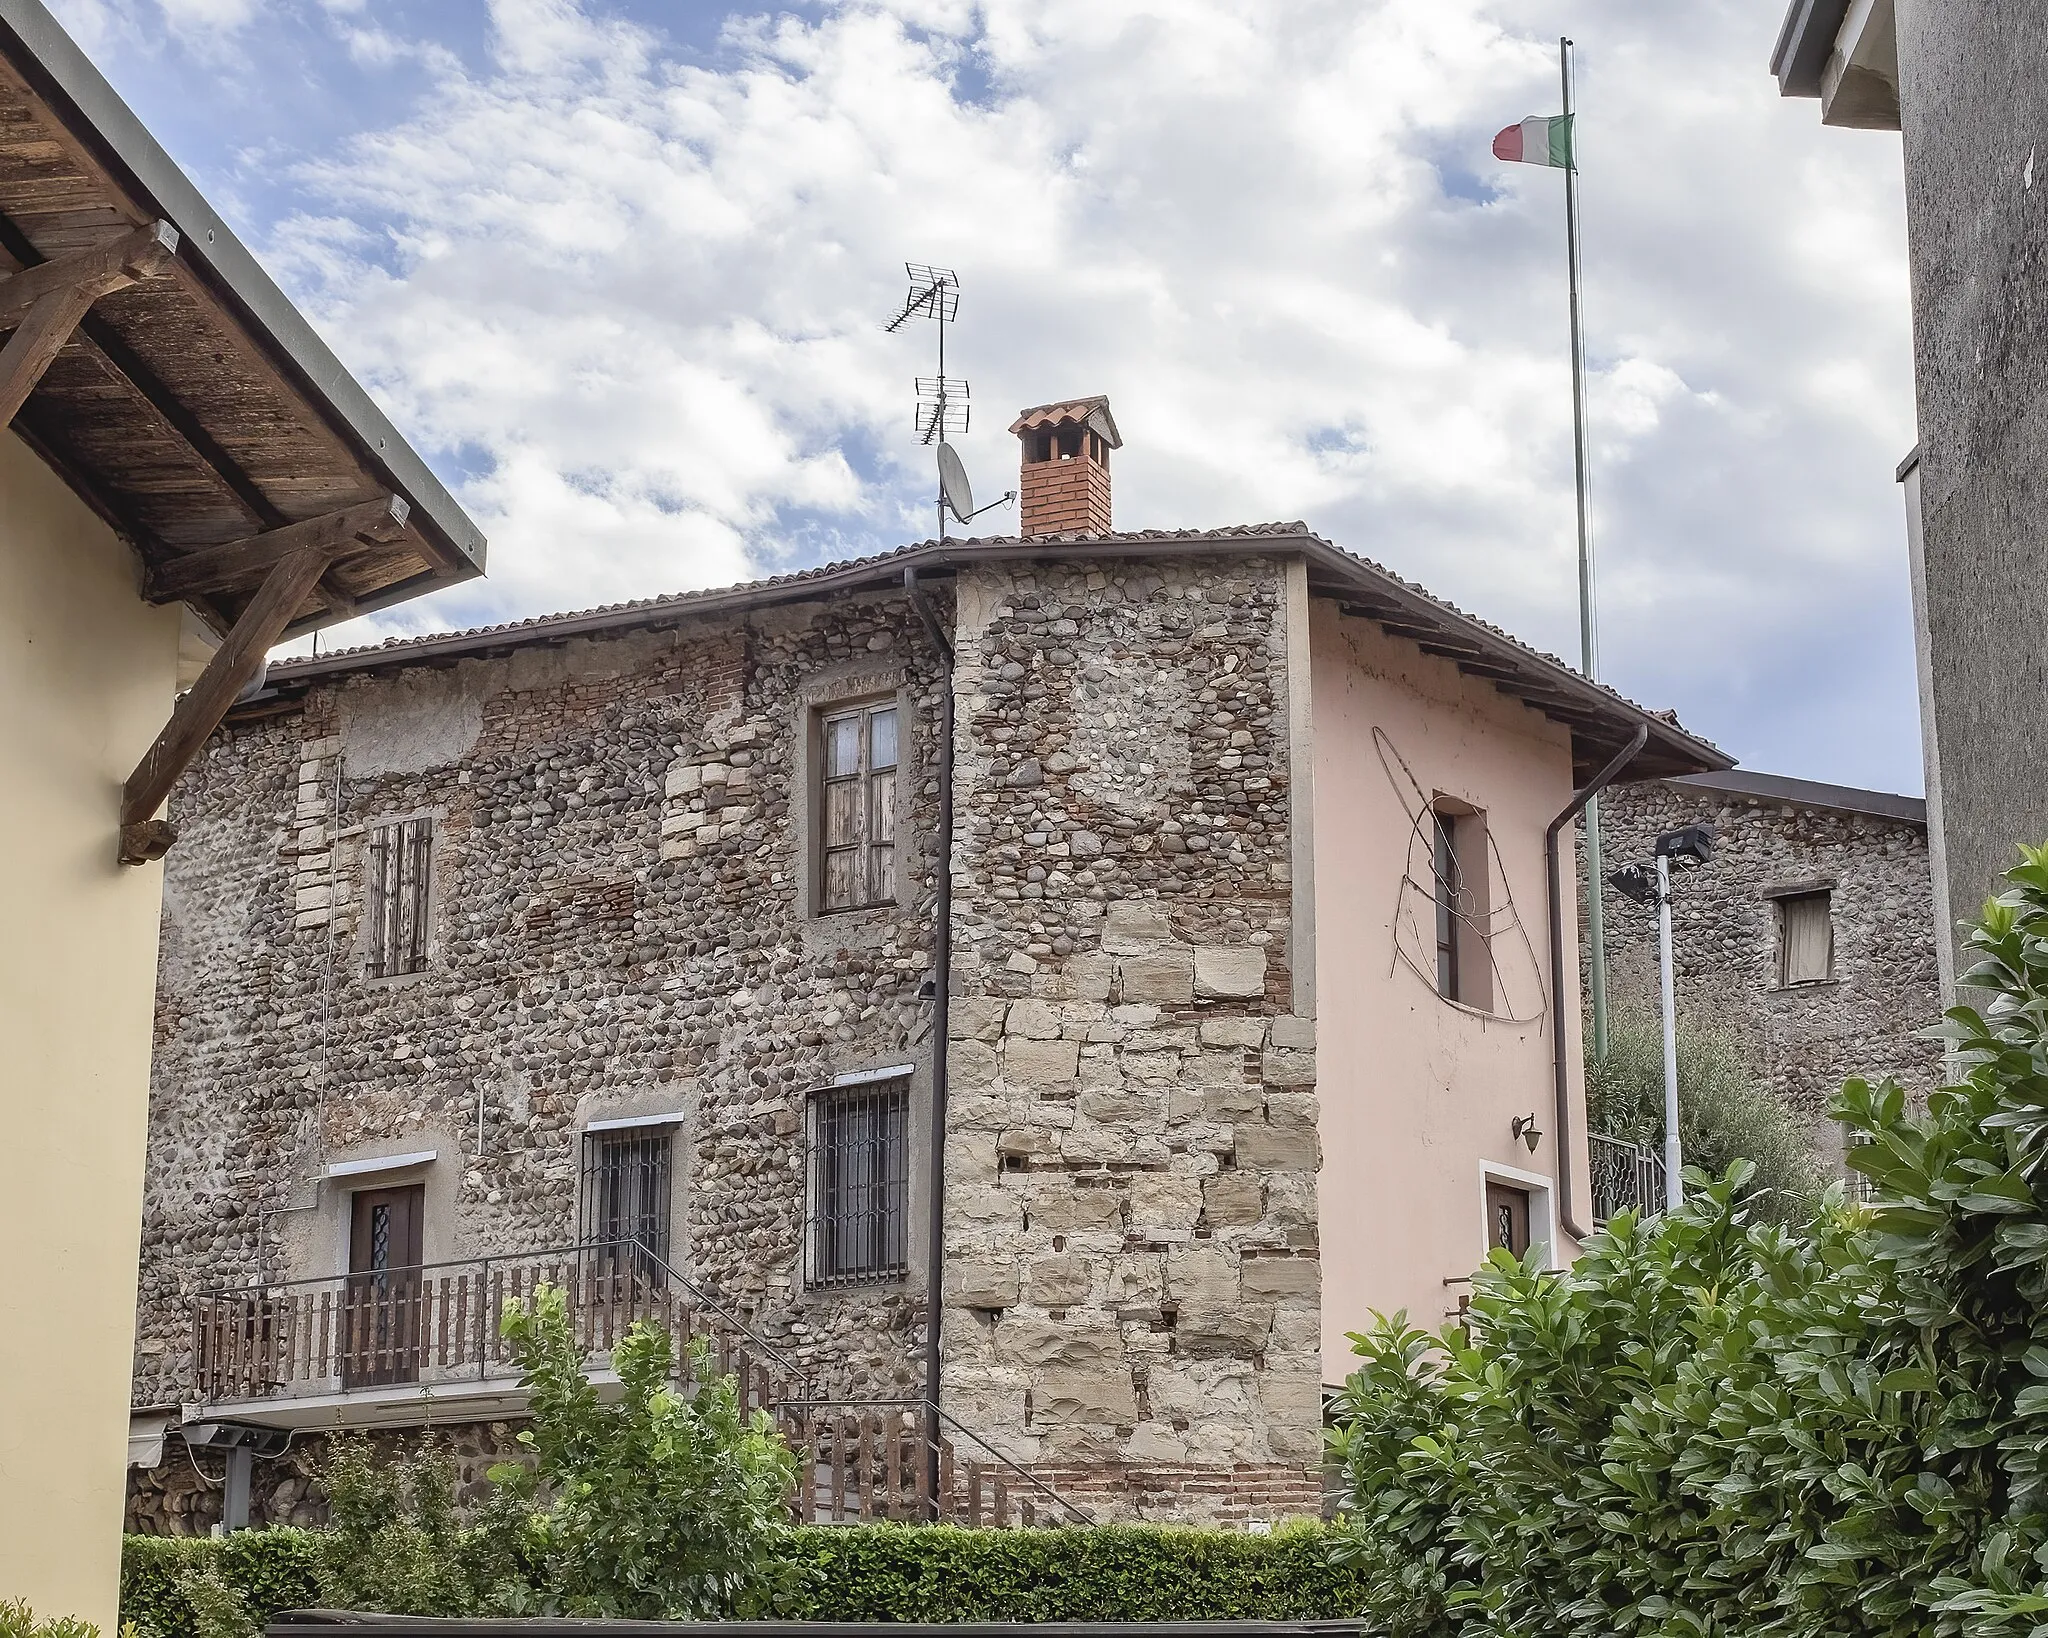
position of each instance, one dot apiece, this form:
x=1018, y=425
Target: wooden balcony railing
x=437, y=1324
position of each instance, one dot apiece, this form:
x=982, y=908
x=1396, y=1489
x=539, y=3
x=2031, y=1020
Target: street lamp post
x=1689, y=845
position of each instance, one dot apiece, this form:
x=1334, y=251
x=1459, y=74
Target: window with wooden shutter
x=1459, y=859
x=397, y=877
x=1806, y=939
x=857, y=787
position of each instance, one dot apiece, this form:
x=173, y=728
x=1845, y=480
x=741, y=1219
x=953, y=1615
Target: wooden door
x=383, y=1301
x=1507, y=1218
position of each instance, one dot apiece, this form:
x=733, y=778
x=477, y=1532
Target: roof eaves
x=1805, y=42
x=1524, y=670
x=1784, y=790
x=64, y=76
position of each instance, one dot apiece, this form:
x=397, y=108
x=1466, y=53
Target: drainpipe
x=942, y=987
x=1559, y=1050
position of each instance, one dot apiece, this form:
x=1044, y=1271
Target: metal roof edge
x=61, y=72
x=1810, y=793
x=1806, y=40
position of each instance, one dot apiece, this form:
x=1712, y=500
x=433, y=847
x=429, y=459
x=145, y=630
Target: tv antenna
x=942, y=400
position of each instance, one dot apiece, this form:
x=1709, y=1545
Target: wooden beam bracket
x=200, y=709
x=43, y=304
x=343, y=534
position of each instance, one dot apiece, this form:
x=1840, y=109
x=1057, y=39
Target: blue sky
x=619, y=271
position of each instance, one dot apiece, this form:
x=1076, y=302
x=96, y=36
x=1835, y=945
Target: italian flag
x=1537, y=141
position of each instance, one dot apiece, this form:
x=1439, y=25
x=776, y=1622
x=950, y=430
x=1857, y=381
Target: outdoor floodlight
x=1688, y=845
x=1634, y=882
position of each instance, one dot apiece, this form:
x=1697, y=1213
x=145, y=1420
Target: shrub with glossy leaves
x=1713, y=1425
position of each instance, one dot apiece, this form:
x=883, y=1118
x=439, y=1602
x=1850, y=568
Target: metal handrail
x=484, y=1260
x=925, y=1406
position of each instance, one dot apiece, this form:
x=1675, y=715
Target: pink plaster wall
x=1415, y=1094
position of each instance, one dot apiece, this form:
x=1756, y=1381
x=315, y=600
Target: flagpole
x=1596, y=928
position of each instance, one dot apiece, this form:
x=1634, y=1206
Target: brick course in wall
x=1806, y=1040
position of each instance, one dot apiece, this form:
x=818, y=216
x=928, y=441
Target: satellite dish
x=954, y=489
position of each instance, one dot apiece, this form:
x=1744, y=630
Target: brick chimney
x=1065, y=484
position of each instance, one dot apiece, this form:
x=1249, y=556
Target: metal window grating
x=626, y=1194
x=859, y=1183
x=397, y=875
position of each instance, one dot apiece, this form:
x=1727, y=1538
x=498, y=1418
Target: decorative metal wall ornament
x=1517, y=977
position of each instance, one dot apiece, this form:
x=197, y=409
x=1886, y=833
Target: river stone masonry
x=620, y=924
x=1806, y=1040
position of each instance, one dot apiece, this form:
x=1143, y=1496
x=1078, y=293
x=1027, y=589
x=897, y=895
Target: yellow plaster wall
x=87, y=676
x=1417, y=1097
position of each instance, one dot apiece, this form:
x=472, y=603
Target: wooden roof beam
x=199, y=711
x=45, y=303
x=346, y=533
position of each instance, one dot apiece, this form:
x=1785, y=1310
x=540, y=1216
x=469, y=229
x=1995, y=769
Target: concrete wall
x=1418, y=1094
x=1808, y=1039
x=87, y=671
x=1974, y=112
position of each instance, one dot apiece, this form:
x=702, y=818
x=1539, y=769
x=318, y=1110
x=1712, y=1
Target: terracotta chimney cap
x=1092, y=413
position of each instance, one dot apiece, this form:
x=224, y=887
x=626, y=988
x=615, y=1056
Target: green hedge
x=272, y=1570
x=884, y=1572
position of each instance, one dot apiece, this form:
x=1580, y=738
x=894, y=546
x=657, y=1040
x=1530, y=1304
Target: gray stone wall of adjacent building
x=622, y=925
x=1806, y=1039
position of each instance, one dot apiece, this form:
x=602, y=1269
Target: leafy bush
x=1725, y=1111
x=662, y=1505
x=17, y=1620
x=1712, y=1425
x=393, y=1542
x=896, y=1572
x=266, y=1571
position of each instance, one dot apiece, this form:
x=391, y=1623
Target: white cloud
x=635, y=291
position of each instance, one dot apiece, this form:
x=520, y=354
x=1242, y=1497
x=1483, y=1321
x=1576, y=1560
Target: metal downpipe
x=1560, y=1055
x=942, y=988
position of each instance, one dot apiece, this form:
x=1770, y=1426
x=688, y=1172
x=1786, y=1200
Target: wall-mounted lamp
x=1524, y=1127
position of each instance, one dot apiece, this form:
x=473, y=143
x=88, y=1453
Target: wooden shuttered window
x=397, y=877
x=857, y=858
x=1806, y=939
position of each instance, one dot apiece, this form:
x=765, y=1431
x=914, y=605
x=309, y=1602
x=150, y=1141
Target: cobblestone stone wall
x=620, y=923
x=1808, y=1038
x=590, y=954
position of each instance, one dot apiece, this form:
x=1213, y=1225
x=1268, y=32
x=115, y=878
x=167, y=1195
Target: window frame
x=880, y=789
x=419, y=836
x=1787, y=905
x=888, y=1223
x=655, y=1141
x=1461, y=898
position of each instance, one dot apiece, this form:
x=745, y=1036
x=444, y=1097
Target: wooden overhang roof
x=192, y=405
x=1602, y=722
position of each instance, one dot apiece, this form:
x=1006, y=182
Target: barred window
x=397, y=875
x=626, y=1191
x=857, y=861
x=859, y=1183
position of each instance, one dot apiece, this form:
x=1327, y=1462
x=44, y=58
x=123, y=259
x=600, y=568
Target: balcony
x=381, y=1348
x=402, y=1346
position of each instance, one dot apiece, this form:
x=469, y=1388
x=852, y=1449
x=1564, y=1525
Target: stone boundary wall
x=1806, y=1040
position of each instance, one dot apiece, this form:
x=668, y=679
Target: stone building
x=1811, y=935
x=624, y=926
